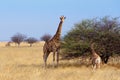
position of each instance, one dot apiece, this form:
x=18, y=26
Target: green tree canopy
x=104, y=32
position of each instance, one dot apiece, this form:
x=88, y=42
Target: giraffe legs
x=58, y=57
x=98, y=66
x=54, y=59
x=94, y=66
x=45, y=56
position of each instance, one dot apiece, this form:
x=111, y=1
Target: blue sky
x=35, y=18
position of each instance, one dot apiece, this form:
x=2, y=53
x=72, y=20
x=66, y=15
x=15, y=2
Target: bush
x=46, y=37
x=18, y=38
x=31, y=40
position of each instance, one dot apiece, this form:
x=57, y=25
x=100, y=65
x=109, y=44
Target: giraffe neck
x=56, y=37
x=93, y=52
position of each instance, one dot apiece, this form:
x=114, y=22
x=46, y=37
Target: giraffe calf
x=96, y=61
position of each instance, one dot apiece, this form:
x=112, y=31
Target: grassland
x=26, y=63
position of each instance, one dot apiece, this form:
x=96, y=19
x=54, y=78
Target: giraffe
x=96, y=59
x=53, y=45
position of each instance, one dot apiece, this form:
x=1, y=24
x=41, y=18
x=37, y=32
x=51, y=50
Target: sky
x=34, y=18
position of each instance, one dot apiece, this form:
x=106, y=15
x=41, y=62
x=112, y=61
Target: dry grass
x=26, y=63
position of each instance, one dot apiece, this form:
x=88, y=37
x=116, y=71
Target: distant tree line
x=18, y=38
x=104, y=32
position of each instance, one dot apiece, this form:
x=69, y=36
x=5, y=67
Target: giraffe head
x=62, y=18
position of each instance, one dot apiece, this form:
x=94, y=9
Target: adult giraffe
x=53, y=45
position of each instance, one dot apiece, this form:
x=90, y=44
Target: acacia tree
x=18, y=38
x=46, y=37
x=31, y=40
x=105, y=32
